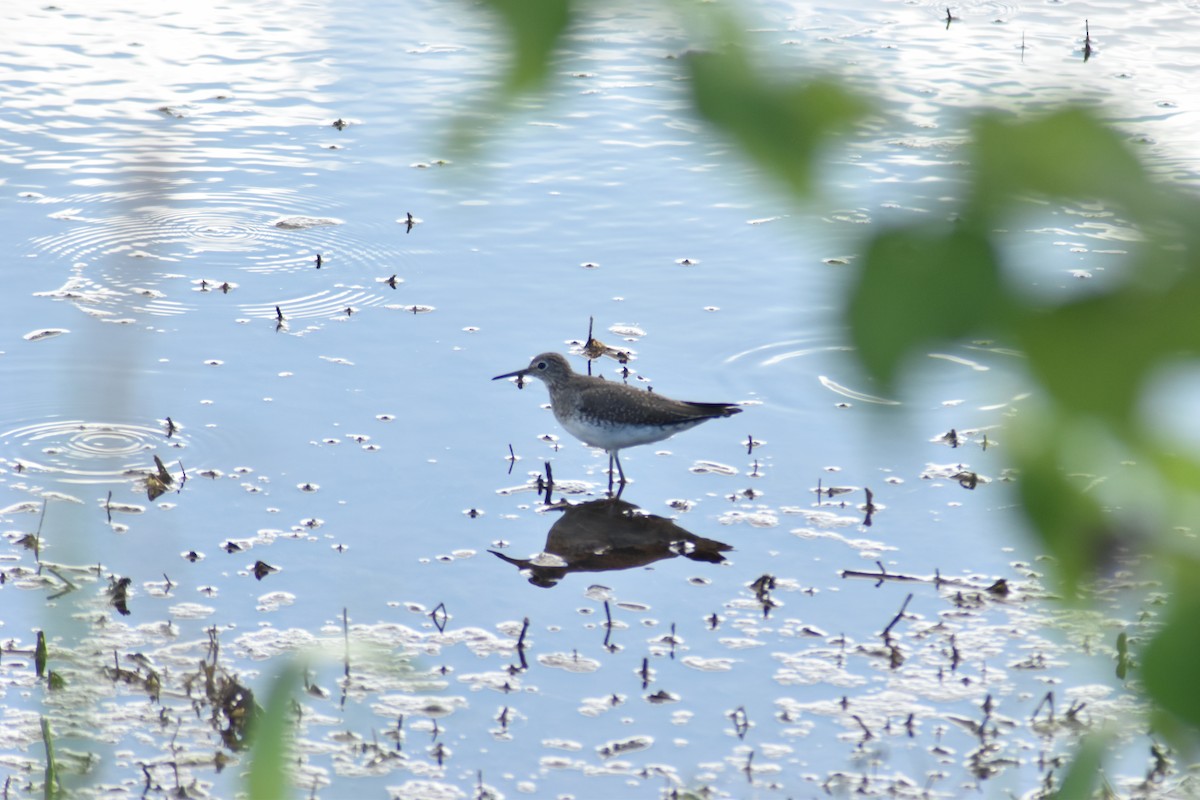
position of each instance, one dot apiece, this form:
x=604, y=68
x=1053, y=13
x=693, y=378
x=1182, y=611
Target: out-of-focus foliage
x=737, y=97
x=948, y=272
x=535, y=28
x=270, y=776
x=1091, y=357
x=1170, y=661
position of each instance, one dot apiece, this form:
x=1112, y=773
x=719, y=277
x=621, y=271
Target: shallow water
x=170, y=175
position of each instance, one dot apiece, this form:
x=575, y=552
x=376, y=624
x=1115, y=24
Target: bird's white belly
x=616, y=436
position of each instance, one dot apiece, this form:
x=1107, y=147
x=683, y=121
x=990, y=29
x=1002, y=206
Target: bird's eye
x=541, y=365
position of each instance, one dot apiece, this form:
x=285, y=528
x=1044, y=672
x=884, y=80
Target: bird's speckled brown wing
x=637, y=406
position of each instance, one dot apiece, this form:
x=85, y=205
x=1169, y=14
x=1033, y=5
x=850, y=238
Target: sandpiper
x=611, y=415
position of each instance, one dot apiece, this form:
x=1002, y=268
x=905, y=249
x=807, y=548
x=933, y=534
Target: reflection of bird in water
x=611, y=415
x=611, y=534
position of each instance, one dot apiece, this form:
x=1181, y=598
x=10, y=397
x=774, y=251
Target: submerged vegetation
x=922, y=686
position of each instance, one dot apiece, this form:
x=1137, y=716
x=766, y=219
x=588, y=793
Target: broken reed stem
x=887, y=632
x=521, y=638
x=866, y=731
x=51, y=761
x=346, y=641
x=37, y=537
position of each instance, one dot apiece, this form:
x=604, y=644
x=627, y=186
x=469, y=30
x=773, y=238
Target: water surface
x=170, y=176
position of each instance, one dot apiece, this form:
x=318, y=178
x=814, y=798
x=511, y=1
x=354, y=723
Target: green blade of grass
x=269, y=776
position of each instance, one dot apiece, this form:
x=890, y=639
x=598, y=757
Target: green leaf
x=1182, y=470
x=1094, y=355
x=1069, y=153
x=779, y=124
x=269, y=775
x=918, y=286
x=1068, y=519
x=1170, y=661
x=535, y=28
x=52, y=788
x=1080, y=780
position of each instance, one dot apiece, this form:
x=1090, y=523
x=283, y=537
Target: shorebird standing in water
x=611, y=415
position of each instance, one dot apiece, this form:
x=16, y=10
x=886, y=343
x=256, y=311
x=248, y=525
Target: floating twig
x=887, y=632
x=524, y=630
x=608, y=629
x=1047, y=701
x=68, y=587
x=866, y=731
x=37, y=535
x=439, y=617
x=741, y=722
x=884, y=575
x=346, y=642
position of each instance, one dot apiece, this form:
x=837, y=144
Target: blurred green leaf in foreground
x=270, y=774
x=1093, y=358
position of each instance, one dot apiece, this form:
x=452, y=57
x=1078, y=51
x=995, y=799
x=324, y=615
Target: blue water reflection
x=336, y=424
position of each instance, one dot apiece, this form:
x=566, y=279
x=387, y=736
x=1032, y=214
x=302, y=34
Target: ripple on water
x=974, y=10
x=77, y=451
x=147, y=257
x=340, y=301
x=165, y=225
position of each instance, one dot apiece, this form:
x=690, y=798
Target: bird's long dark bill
x=510, y=374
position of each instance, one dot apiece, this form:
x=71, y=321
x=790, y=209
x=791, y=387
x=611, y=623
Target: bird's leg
x=616, y=454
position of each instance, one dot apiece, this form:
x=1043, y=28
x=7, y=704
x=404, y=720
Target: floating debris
x=300, y=223
x=838, y=388
x=118, y=594
x=44, y=333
